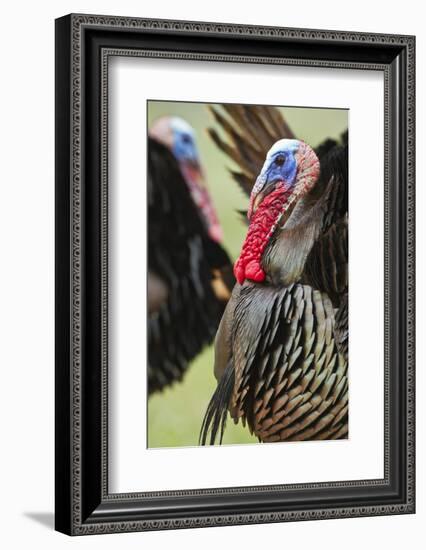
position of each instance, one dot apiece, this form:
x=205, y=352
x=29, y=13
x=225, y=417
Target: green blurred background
x=175, y=415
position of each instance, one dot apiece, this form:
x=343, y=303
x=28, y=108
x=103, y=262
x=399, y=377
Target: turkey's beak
x=192, y=171
x=193, y=163
x=261, y=189
x=257, y=200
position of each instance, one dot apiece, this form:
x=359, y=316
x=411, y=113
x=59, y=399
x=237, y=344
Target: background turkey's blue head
x=179, y=137
x=184, y=146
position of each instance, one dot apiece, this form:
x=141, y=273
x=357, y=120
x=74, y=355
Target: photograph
x=247, y=283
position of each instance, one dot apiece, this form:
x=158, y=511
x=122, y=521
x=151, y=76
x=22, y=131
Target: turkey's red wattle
x=262, y=225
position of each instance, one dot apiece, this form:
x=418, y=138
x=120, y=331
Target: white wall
x=26, y=300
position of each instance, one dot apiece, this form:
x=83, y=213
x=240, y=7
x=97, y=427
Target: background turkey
x=281, y=348
x=189, y=272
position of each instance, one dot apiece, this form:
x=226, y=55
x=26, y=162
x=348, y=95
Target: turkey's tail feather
x=214, y=421
x=249, y=131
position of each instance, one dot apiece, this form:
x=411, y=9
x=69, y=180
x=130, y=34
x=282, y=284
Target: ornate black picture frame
x=83, y=45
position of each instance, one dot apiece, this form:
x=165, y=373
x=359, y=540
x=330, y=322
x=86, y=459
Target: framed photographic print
x=234, y=274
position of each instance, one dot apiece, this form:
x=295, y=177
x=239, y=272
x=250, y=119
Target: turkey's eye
x=186, y=138
x=279, y=161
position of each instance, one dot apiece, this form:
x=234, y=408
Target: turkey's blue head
x=290, y=170
x=281, y=166
x=184, y=147
x=179, y=137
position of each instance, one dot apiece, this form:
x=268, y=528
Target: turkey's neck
x=202, y=199
x=262, y=226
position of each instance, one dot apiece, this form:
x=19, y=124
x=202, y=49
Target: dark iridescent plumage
x=184, y=263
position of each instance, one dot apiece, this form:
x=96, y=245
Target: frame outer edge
x=63, y=495
x=77, y=24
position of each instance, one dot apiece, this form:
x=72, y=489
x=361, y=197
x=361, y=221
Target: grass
x=176, y=414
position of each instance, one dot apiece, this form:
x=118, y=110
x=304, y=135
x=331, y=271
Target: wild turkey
x=189, y=272
x=281, y=347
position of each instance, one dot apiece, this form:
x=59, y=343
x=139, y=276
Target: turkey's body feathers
x=286, y=340
x=184, y=310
